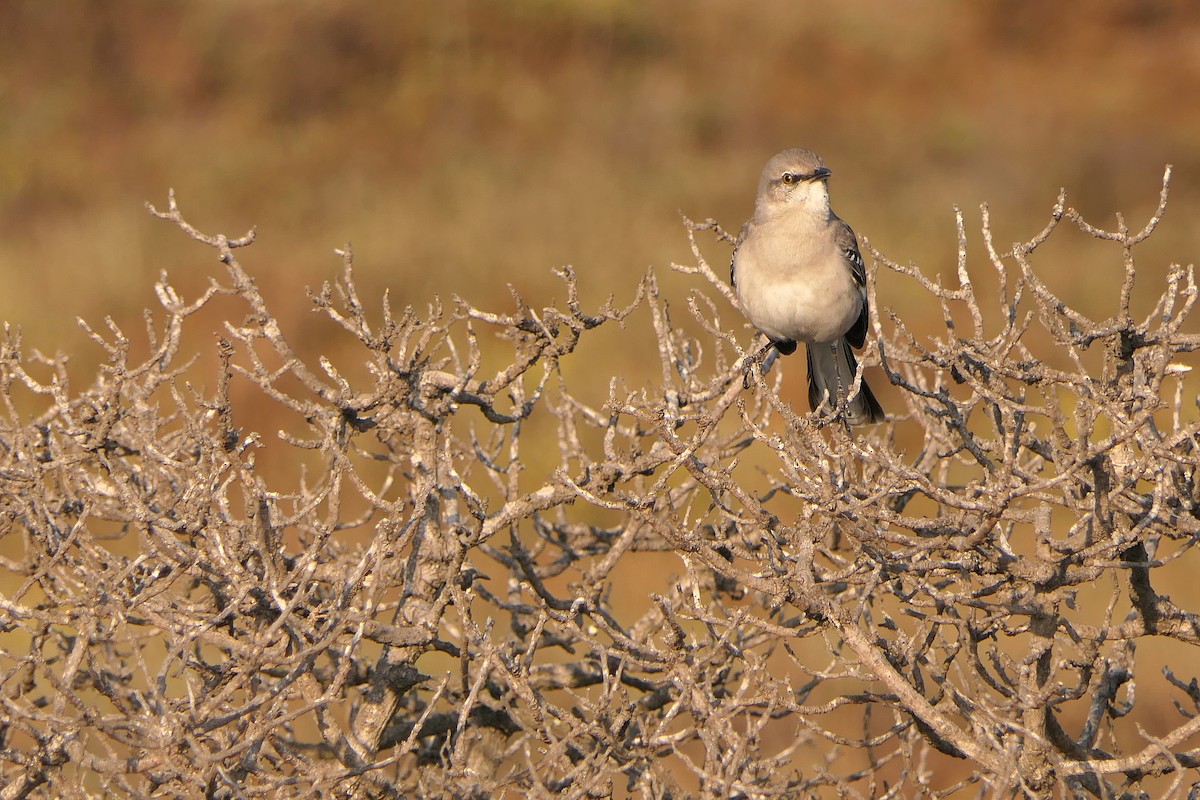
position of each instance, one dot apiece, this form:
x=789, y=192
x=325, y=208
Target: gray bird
x=800, y=278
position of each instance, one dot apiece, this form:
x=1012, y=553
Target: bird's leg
x=767, y=362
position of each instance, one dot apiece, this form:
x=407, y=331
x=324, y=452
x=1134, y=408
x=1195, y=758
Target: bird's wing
x=847, y=242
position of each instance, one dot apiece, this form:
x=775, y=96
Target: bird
x=799, y=277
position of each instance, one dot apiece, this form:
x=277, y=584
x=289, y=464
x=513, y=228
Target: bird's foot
x=763, y=359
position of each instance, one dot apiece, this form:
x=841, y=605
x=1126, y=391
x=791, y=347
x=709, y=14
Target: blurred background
x=463, y=146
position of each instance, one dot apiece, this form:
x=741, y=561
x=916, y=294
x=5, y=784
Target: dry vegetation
x=446, y=552
x=424, y=612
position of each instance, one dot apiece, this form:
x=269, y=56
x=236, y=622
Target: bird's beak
x=821, y=173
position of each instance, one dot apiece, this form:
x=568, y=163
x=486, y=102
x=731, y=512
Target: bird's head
x=794, y=178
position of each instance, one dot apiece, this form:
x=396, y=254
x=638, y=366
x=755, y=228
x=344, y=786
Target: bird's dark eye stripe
x=797, y=177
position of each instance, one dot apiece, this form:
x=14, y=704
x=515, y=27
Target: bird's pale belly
x=802, y=311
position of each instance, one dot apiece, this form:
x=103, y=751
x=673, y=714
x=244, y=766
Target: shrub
x=438, y=603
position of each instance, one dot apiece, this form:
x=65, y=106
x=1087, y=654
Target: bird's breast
x=796, y=288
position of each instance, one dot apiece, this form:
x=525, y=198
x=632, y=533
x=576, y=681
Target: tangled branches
x=461, y=595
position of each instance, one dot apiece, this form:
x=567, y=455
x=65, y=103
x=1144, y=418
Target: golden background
x=462, y=146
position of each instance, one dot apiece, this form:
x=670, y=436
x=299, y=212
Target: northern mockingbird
x=800, y=278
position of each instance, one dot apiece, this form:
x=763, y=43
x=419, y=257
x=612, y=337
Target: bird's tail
x=831, y=369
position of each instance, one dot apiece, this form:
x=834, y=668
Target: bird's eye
x=789, y=178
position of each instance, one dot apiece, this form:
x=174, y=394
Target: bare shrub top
x=438, y=603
